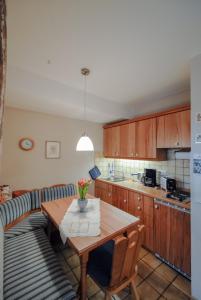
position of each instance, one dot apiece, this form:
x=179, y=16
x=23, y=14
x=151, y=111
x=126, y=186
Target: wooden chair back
x=126, y=251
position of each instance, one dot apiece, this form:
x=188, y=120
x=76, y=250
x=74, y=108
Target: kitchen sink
x=115, y=179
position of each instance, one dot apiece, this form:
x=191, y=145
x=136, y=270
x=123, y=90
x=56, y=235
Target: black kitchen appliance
x=168, y=184
x=150, y=177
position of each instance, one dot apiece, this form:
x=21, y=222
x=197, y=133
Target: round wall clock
x=26, y=144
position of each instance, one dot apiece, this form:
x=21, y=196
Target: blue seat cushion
x=15, y=208
x=100, y=263
x=1, y=257
x=32, y=222
x=57, y=192
x=36, y=198
x=32, y=271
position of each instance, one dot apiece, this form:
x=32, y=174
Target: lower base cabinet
x=167, y=229
x=172, y=235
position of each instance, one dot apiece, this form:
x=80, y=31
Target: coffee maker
x=150, y=177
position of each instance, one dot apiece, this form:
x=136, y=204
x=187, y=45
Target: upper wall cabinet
x=128, y=140
x=146, y=139
x=135, y=140
x=173, y=130
x=111, y=141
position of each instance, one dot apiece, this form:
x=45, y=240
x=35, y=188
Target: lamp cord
x=85, y=101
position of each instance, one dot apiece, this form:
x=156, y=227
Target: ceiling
x=138, y=52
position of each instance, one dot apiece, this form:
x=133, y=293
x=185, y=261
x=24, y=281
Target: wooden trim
x=161, y=156
x=148, y=116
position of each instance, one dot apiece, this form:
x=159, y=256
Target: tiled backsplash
x=174, y=168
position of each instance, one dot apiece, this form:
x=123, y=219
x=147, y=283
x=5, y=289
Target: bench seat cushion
x=1, y=257
x=32, y=271
x=32, y=222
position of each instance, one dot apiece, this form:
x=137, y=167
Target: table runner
x=76, y=223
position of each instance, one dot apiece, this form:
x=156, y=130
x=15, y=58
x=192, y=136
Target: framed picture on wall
x=52, y=149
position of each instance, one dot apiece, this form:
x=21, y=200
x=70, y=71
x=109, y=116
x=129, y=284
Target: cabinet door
x=120, y=198
x=146, y=138
x=173, y=130
x=135, y=205
x=115, y=141
x=107, y=142
x=162, y=230
x=109, y=194
x=161, y=132
x=148, y=222
x=176, y=237
x=186, y=255
x=185, y=128
x=111, y=141
x=127, y=140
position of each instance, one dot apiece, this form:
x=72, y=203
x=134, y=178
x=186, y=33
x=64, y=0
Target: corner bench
x=30, y=267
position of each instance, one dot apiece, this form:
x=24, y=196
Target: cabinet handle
x=138, y=208
x=138, y=198
x=125, y=200
x=156, y=206
x=136, y=154
x=109, y=194
x=177, y=143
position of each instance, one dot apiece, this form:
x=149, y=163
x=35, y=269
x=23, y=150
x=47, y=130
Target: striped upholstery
x=31, y=270
x=35, y=199
x=14, y=208
x=1, y=258
x=52, y=193
x=32, y=222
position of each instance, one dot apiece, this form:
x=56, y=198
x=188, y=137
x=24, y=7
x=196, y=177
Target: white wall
x=22, y=169
x=196, y=179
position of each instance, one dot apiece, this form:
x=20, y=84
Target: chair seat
x=32, y=222
x=32, y=271
x=100, y=263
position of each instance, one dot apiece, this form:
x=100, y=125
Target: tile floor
x=155, y=280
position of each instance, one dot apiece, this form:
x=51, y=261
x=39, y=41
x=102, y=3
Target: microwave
x=168, y=184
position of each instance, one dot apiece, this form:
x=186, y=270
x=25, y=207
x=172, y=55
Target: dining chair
x=113, y=266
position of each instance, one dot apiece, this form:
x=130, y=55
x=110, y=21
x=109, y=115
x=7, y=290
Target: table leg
x=83, y=278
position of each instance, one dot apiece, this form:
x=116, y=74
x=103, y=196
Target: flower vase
x=82, y=203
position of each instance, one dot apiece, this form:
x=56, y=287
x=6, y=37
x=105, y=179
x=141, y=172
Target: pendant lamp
x=85, y=143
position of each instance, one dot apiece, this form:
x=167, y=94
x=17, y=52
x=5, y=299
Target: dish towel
x=76, y=223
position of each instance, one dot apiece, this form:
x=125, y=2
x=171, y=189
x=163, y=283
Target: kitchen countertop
x=148, y=191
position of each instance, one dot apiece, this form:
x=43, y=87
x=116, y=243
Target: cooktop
x=179, y=196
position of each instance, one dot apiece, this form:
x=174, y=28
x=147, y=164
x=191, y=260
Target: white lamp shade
x=85, y=144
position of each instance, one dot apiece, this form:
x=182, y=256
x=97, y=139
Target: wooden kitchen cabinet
x=172, y=235
x=127, y=140
x=107, y=142
x=162, y=230
x=104, y=191
x=173, y=130
x=111, y=141
x=149, y=223
x=186, y=251
x=120, y=198
x=135, y=205
x=146, y=138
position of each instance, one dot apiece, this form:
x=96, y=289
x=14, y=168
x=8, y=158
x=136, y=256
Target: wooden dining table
x=113, y=222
